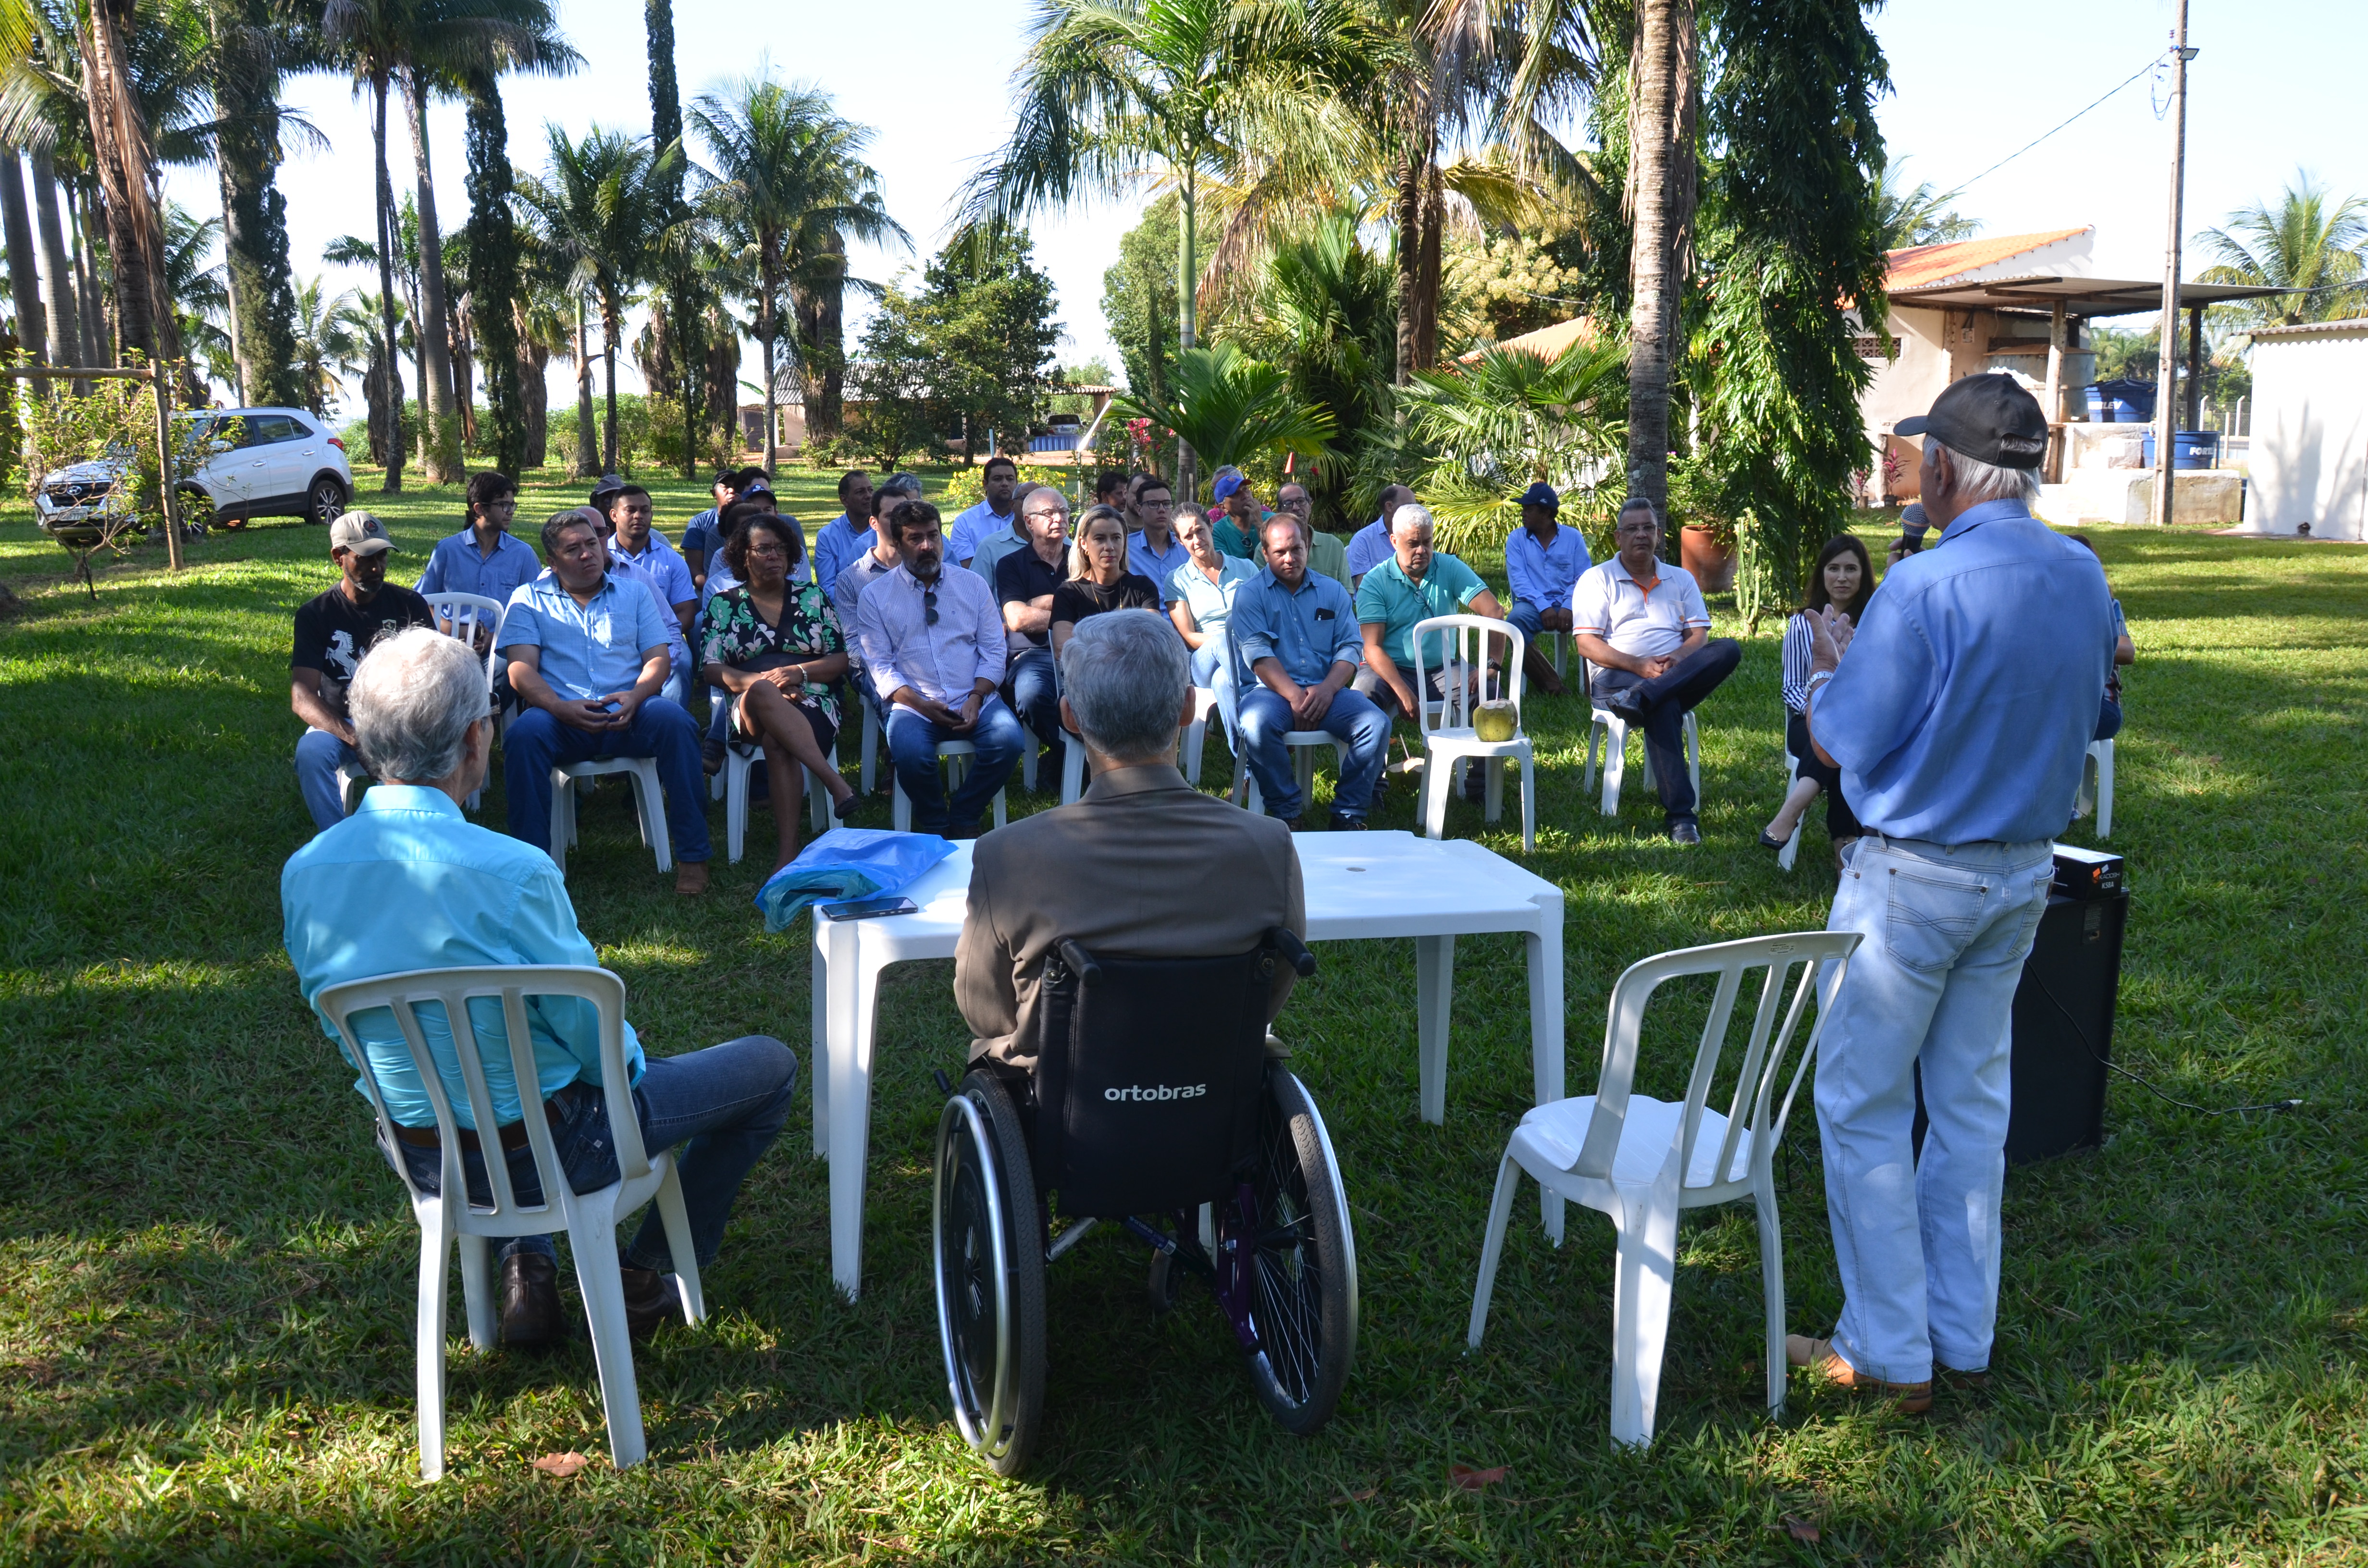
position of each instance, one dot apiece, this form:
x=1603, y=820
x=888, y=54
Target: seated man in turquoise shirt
x=1415, y=584
x=406, y=882
x=588, y=655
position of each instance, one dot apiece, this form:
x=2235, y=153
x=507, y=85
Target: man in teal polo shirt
x=1415, y=583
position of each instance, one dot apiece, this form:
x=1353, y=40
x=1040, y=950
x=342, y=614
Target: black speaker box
x=2063, y=1029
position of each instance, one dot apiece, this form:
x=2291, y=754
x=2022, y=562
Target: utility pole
x=2165, y=406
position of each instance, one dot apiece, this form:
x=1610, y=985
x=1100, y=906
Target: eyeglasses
x=929, y=606
x=768, y=553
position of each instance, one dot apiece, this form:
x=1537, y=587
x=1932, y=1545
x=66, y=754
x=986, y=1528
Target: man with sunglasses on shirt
x=933, y=648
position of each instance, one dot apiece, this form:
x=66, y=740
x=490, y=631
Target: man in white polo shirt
x=1641, y=623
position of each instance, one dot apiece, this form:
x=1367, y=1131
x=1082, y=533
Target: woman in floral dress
x=776, y=646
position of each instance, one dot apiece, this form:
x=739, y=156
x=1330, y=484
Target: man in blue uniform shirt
x=1959, y=715
x=1295, y=633
x=407, y=883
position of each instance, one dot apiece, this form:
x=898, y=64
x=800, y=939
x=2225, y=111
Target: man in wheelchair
x=1120, y=962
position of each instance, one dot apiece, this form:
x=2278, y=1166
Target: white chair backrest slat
x=459, y=616
x=1464, y=644
x=1824, y=960
x=452, y=989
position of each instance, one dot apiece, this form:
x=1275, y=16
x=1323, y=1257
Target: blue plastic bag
x=848, y=862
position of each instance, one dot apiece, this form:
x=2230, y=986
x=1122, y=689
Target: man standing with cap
x=333, y=631
x=1959, y=715
x=1542, y=562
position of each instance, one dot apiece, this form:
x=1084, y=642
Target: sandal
x=710, y=756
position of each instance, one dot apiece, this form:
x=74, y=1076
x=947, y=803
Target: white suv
x=274, y=463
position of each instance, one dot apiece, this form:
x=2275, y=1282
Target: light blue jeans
x=319, y=754
x=1947, y=928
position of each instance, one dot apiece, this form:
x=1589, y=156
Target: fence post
x=161, y=375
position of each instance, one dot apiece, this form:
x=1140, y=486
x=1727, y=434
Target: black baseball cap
x=1988, y=418
x=1540, y=494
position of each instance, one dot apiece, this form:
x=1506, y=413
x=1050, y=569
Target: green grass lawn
x=206, y=1272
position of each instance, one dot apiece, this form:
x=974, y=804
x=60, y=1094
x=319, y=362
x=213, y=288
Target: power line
x=2042, y=136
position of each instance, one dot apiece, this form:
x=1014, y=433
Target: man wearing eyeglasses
x=933, y=648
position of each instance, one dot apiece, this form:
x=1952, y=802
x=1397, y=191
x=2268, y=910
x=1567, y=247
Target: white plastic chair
x=1195, y=734
x=353, y=782
x=1561, y=655
x=2096, y=791
x=649, y=802
x=730, y=786
x=459, y=616
x=871, y=742
x=956, y=757
x=1450, y=740
x=1640, y=1161
x=1303, y=744
x=1608, y=724
x=589, y=1219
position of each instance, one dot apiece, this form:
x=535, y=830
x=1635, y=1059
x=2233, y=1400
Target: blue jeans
x=1266, y=719
x=1035, y=697
x=537, y=743
x=1528, y=617
x=1206, y=661
x=727, y=1103
x=912, y=753
x=2109, y=721
x=319, y=754
x=1667, y=698
x=1916, y=1240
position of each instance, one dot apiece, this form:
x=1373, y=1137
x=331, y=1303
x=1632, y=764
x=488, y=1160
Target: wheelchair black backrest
x=1148, y=1074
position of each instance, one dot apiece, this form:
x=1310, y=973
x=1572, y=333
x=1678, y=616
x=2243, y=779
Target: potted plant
x=1698, y=503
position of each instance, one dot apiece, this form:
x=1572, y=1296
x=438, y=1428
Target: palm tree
x=199, y=299
x=329, y=335
x=599, y=214
x=788, y=187
x=1509, y=418
x=2307, y=242
x=1112, y=90
x=1917, y=215
x=1232, y=409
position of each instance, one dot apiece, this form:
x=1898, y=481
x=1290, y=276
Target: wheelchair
x=1153, y=1106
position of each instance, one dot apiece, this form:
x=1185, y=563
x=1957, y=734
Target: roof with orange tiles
x=1920, y=264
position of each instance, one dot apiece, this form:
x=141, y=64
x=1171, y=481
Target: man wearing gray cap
x=333, y=631
x=1959, y=715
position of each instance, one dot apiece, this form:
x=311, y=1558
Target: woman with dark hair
x=776, y=647
x=1845, y=581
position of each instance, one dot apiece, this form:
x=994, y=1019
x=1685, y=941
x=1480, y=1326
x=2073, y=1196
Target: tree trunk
x=387, y=236
x=122, y=158
x=64, y=309
x=533, y=394
x=723, y=399
x=255, y=213
x=767, y=328
x=1187, y=290
x=822, y=339
x=95, y=343
x=1406, y=216
x=587, y=436
x=24, y=272
x=1427, y=268
x=611, y=311
x=494, y=291
x=433, y=328
x=374, y=401
x=464, y=393
x=1661, y=195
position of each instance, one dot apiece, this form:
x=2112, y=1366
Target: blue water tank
x=2189, y=449
x=2120, y=402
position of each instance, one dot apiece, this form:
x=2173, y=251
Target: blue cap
x=1540, y=494
x=1224, y=489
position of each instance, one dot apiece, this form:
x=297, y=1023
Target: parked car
x=258, y=462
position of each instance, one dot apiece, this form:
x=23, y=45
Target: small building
x=2310, y=429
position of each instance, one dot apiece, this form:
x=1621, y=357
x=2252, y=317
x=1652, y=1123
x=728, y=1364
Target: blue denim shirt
x=591, y=650
x=459, y=567
x=1368, y=547
x=835, y=545
x=408, y=882
x=1543, y=575
x=1145, y=562
x=1307, y=631
x=1964, y=707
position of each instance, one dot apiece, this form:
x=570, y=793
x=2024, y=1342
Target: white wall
x=2310, y=432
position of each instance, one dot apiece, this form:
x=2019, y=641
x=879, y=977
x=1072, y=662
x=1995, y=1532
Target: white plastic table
x=1361, y=886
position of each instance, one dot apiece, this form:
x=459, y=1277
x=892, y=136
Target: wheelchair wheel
x=1302, y=1279
x=989, y=1247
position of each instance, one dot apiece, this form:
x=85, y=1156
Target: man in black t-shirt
x=333, y=632
x=1024, y=581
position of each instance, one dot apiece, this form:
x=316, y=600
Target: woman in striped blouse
x=1844, y=579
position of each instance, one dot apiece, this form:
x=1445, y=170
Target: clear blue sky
x=2277, y=86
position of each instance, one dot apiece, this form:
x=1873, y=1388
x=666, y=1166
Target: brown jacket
x=1143, y=864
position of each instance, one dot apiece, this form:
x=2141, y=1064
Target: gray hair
x=1125, y=674
x=1973, y=482
x=1637, y=504
x=1020, y=504
x=1412, y=515
x=412, y=703
x=901, y=485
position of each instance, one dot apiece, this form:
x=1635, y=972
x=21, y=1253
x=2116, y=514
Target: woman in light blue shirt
x=1203, y=600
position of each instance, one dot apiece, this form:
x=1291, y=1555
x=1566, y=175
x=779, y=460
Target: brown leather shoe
x=690, y=877
x=651, y=1298
x=1822, y=1361
x=529, y=1298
